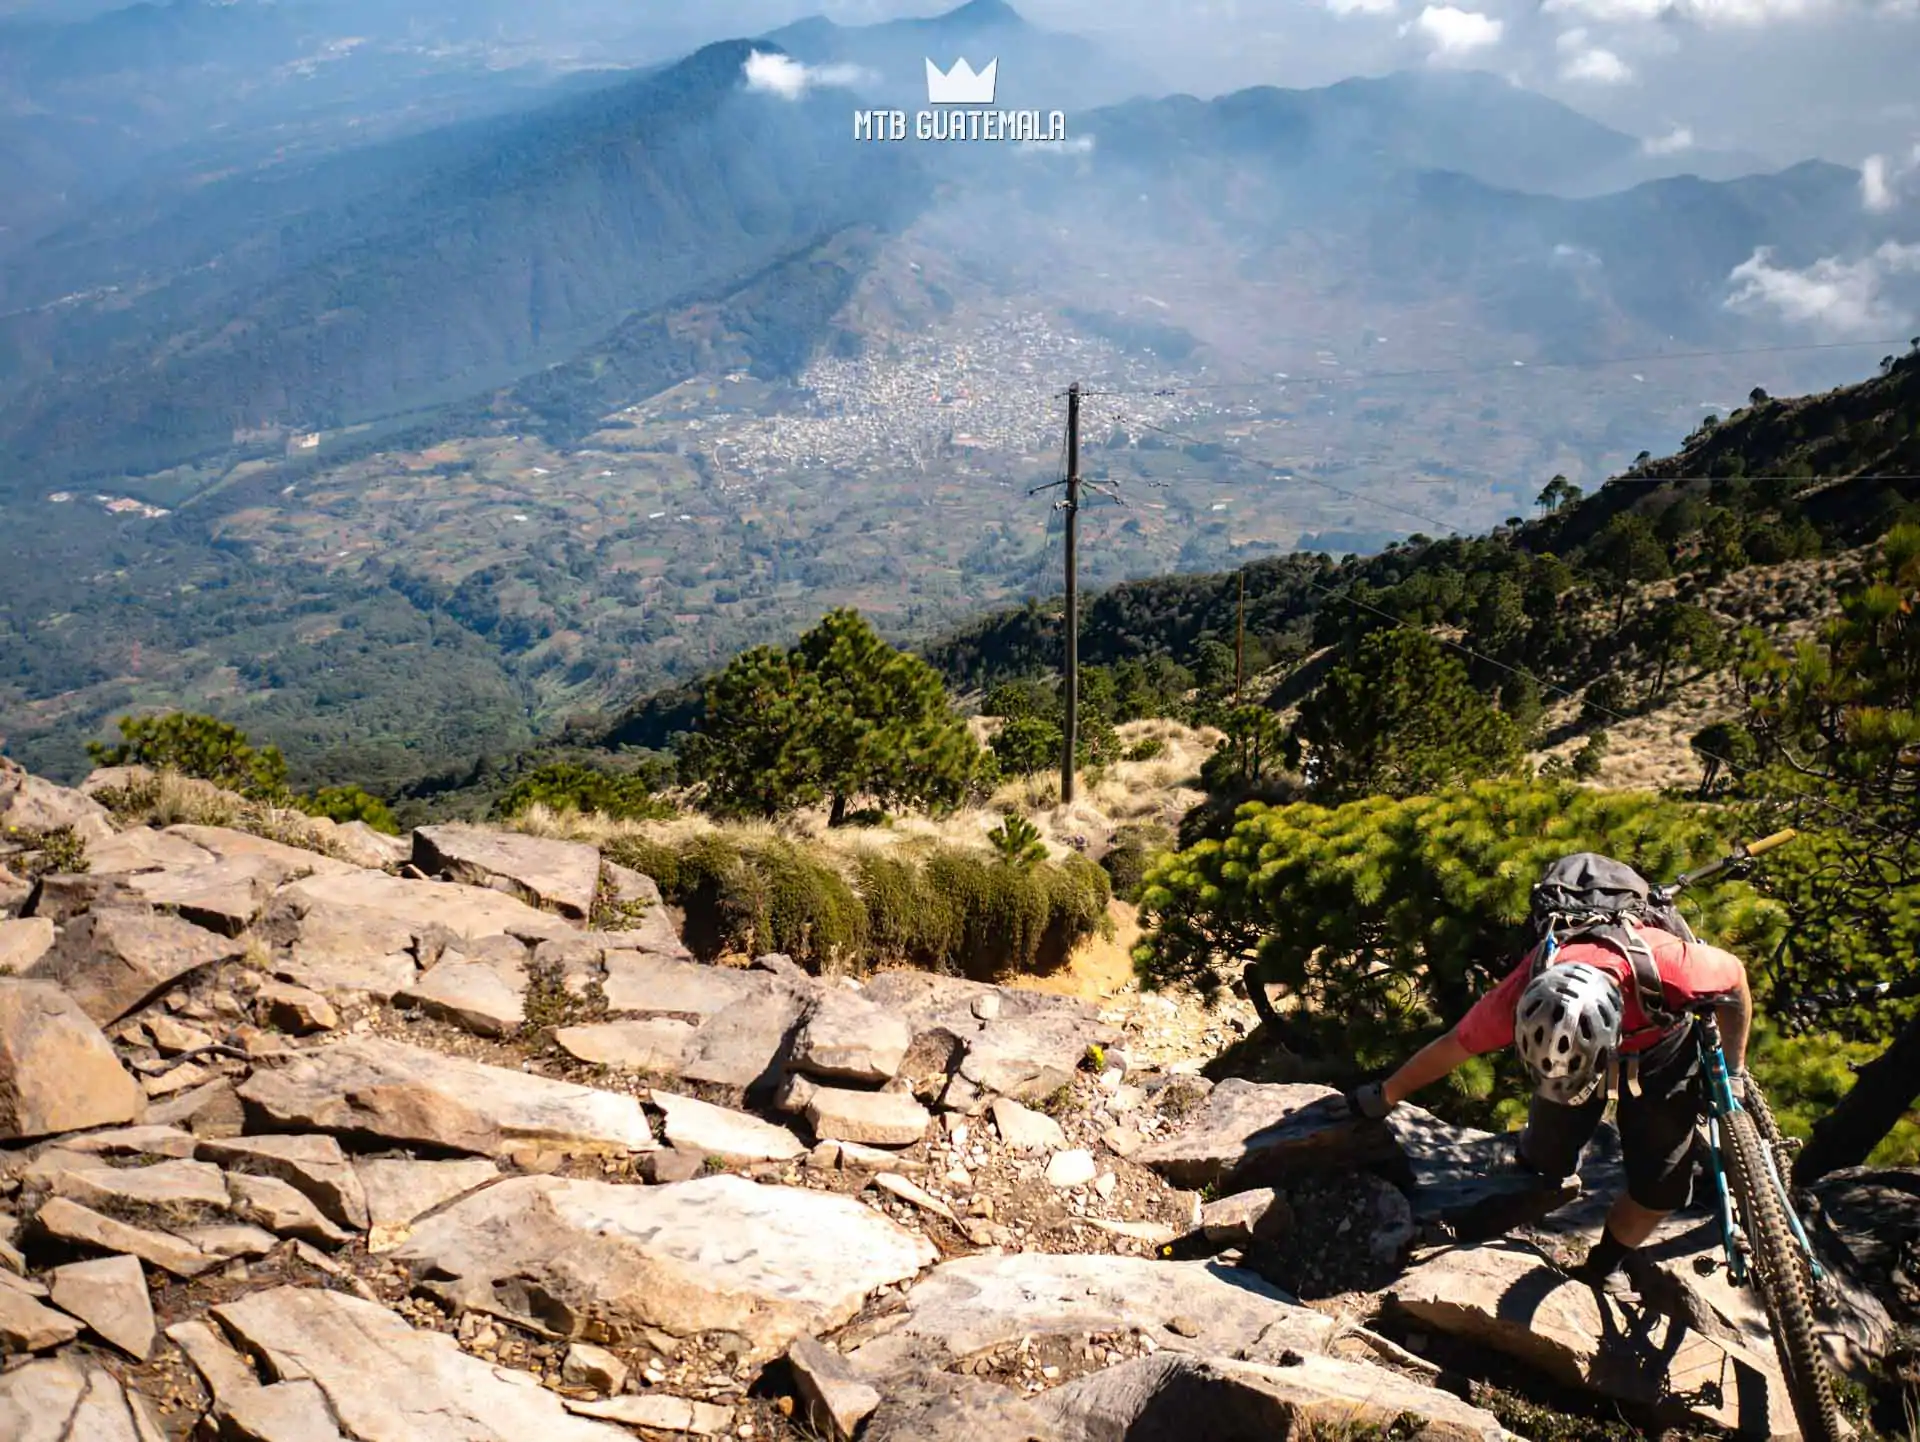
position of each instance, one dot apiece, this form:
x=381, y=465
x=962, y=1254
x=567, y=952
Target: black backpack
x=1589, y=897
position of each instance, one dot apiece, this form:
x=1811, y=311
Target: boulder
x=182, y=1184
x=362, y=931
x=641, y=984
x=110, y=1296
x=1072, y=1168
x=382, y=1379
x=144, y=849
x=556, y=876
x=399, y=1192
x=1253, y=1134
x=23, y=941
x=314, y=1165
x=293, y=1411
x=359, y=843
x=657, y=1044
x=711, y=1131
x=1027, y=1046
x=64, y=1399
x=1026, y=1130
x=228, y=1240
x=116, y=961
x=223, y=896
x=590, y=1366
x=30, y=804
x=28, y=1325
x=1503, y=1296
x=141, y=1141
x=881, y=1119
x=653, y=931
x=172, y=1036
x=1157, y=1398
x=68, y=1221
x=60, y=898
x=933, y=1407
x=837, y=1399
x=57, y=1071
x=227, y=844
x=404, y=1094
x=596, y=1261
x=658, y=1412
x=211, y=1110
x=484, y=998
x=974, y=1304
x=269, y=1202
x=1247, y=1216
x=845, y=1037
x=741, y=1047
x=295, y=1009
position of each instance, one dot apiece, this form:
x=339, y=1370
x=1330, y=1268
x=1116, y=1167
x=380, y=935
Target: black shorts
x=1658, y=1128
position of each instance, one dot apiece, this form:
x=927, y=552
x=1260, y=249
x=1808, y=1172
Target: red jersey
x=1688, y=971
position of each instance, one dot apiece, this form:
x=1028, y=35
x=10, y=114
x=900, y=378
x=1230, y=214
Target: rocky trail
x=451, y=1139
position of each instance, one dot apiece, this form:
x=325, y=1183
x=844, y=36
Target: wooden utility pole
x=1240, y=641
x=1072, y=670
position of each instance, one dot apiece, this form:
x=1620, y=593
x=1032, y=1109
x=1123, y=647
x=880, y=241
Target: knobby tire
x=1779, y=1270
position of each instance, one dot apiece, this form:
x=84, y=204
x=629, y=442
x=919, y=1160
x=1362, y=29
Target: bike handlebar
x=1739, y=856
x=1767, y=843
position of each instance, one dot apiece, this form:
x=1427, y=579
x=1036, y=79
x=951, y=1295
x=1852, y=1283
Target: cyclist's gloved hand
x=1369, y=1100
x=1737, y=1081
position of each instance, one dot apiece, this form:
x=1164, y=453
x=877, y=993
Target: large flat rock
x=368, y=899
x=23, y=941
x=115, y=961
x=315, y=1166
x=405, y=1094
x=712, y=1131
x=1252, y=1134
x=991, y=1041
x=400, y=1190
x=227, y=844
x=1158, y=1399
x=144, y=849
x=486, y=997
x=845, y=1037
x=556, y=876
x=57, y=1071
x=223, y=896
x=387, y=1382
x=974, y=1304
x=64, y=1399
x=1505, y=1297
x=592, y=1260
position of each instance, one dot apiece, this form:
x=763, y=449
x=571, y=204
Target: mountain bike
x=1764, y=1241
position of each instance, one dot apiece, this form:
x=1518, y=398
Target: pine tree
x=1400, y=718
x=754, y=749
x=197, y=746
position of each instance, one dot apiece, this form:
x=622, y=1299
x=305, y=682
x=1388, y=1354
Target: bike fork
x=1723, y=1205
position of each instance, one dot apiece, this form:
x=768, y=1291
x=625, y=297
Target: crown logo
x=961, y=86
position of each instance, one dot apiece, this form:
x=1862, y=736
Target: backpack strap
x=1625, y=938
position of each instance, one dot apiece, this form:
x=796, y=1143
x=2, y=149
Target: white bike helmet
x=1567, y=1028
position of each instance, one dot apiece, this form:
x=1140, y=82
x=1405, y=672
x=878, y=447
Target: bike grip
x=1767, y=843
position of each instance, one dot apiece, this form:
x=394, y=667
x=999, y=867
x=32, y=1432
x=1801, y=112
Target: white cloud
x=1077, y=145
x=1454, y=32
x=1886, y=185
x=1672, y=143
x=1598, y=66
x=1832, y=295
x=1576, y=255
x=1362, y=7
x=787, y=78
x=1709, y=13
x=1571, y=40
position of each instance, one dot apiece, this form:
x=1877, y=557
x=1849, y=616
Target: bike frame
x=1721, y=1102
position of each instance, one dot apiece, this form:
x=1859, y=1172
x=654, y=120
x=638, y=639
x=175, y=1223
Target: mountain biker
x=1575, y=1015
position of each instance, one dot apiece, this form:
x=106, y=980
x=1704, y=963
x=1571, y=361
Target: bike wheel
x=1776, y=1144
x=1780, y=1271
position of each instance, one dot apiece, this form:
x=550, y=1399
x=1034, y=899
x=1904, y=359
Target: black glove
x=1369, y=1100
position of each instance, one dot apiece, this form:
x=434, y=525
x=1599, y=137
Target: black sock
x=1606, y=1255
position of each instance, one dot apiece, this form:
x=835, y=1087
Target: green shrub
x=57, y=851
x=1590, y=757
x=565, y=786
x=349, y=803
x=1147, y=748
x=946, y=910
x=1017, y=842
x=197, y=746
x=1028, y=744
x=1133, y=852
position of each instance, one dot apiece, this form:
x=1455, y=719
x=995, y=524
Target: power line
x=1506, y=368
